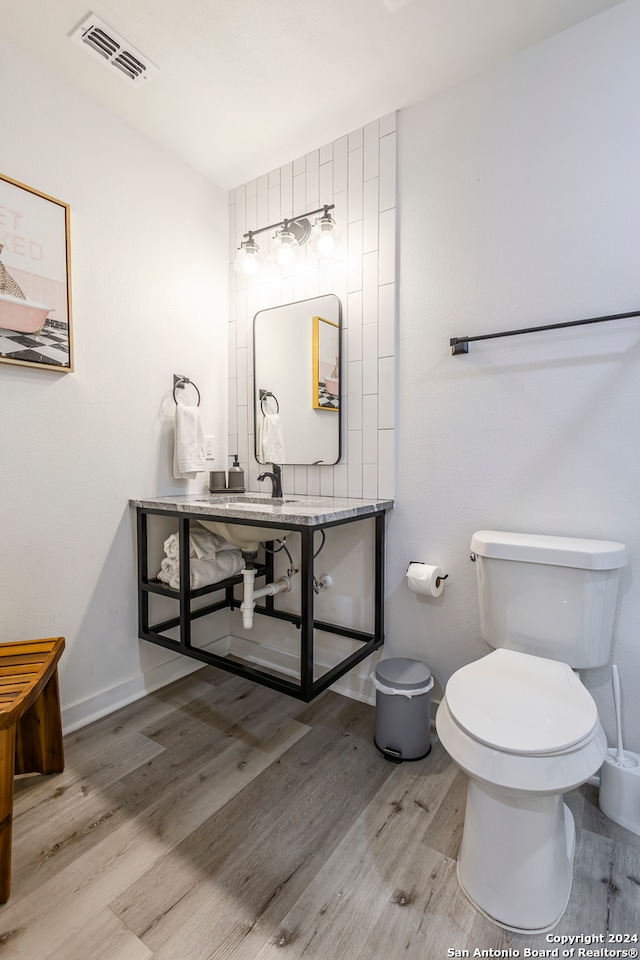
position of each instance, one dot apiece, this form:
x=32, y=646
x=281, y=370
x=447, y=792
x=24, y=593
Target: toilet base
x=516, y=858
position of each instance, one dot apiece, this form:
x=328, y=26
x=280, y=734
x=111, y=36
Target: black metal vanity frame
x=307, y=688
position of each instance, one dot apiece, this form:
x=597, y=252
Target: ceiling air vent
x=95, y=36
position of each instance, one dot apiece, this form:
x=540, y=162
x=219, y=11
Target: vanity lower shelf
x=329, y=513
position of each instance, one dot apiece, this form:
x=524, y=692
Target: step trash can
x=403, y=709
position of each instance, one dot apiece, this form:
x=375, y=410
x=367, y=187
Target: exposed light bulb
x=247, y=258
x=250, y=265
x=324, y=241
x=285, y=249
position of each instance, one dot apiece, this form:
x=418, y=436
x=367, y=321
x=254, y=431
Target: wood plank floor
x=219, y=819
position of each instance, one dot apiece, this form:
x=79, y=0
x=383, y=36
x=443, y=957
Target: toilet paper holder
x=438, y=579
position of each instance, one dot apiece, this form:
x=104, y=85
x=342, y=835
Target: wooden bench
x=30, y=727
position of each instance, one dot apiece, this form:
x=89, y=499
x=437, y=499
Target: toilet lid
x=521, y=704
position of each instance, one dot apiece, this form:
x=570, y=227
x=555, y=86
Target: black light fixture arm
x=461, y=344
x=324, y=210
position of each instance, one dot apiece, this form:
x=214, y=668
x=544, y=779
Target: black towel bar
x=461, y=344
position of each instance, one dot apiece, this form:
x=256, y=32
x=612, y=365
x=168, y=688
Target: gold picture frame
x=325, y=377
x=35, y=279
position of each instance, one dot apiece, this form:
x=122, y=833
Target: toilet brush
x=621, y=759
x=620, y=774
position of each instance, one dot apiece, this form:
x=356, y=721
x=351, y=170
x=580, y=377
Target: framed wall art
x=326, y=365
x=35, y=281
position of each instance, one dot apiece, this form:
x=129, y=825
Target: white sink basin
x=243, y=536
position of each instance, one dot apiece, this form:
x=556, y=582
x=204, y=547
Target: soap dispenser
x=236, y=476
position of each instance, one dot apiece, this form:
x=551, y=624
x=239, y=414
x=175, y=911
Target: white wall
x=149, y=289
x=519, y=205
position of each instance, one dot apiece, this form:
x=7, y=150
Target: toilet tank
x=548, y=596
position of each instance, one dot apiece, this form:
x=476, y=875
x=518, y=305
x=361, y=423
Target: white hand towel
x=189, y=446
x=270, y=439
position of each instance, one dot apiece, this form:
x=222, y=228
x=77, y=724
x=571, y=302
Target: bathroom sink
x=247, y=538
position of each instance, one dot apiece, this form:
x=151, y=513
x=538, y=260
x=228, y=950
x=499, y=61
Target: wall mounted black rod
x=461, y=344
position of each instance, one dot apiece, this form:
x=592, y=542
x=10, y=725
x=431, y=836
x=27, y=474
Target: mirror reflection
x=296, y=366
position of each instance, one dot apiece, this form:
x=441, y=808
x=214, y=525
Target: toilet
x=520, y=723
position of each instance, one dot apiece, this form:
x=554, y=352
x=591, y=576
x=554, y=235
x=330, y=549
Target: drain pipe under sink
x=283, y=585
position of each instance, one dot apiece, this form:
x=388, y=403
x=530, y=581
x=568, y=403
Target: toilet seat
x=520, y=704
x=516, y=772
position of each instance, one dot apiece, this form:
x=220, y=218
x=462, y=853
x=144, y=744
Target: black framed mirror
x=297, y=377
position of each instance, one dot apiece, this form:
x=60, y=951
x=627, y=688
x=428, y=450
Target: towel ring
x=264, y=395
x=181, y=382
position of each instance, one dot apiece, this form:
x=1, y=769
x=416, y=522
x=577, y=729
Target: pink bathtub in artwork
x=24, y=316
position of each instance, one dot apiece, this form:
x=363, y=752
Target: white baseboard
x=100, y=705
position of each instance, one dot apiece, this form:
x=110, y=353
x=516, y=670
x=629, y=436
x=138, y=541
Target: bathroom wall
x=149, y=288
x=358, y=174
x=519, y=205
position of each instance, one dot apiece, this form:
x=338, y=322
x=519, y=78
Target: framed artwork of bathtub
x=326, y=365
x=35, y=281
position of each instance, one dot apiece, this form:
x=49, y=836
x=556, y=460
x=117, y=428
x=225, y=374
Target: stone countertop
x=289, y=510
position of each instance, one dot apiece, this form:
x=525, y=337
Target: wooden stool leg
x=39, y=747
x=7, y=759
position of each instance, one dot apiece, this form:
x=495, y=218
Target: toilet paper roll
x=425, y=579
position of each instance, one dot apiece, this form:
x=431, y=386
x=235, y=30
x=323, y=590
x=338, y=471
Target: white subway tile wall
x=358, y=174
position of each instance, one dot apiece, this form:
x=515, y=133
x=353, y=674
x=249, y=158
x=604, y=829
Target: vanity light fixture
x=291, y=234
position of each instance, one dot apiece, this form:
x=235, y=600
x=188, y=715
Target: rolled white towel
x=168, y=570
x=226, y=564
x=203, y=544
x=202, y=572
x=171, y=546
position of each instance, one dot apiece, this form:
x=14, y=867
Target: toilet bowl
x=525, y=730
x=520, y=723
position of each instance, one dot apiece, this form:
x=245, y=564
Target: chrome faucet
x=276, y=480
